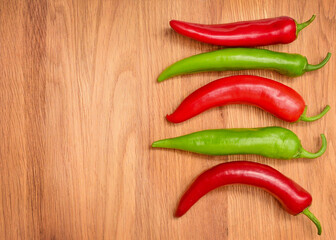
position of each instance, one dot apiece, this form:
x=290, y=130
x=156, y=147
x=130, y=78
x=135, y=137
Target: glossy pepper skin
x=291, y=196
x=242, y=59
x=272, y=142
x=243, y=34
x=274, y=97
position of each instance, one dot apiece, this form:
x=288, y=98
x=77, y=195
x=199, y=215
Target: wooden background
x=80, y=106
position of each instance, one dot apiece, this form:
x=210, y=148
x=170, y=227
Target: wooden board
x=80, y=107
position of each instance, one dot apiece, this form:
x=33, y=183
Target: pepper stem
x=313, y=118
x=310, y=67
x=300, y=26
x=313, y=219
x=306, y=154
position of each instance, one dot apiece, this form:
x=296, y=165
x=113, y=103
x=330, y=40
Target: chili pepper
x=247, y=33
x=292, y=196
x=241, y=59
x=274, y=97
x=273, y=142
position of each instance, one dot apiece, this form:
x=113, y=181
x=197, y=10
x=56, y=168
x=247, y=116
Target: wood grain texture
x=80, y=106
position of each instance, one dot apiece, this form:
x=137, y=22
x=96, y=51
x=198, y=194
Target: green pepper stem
x=300, y=26
x=313, y=219
x=314, y=118
x=310, y=67
x=306, y=154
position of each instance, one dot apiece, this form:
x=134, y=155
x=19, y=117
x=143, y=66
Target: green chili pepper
x=273, y=142
x=241, y=59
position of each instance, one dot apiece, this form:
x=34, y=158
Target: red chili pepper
x=274, y=97
x=248, y=33
x=292, y=196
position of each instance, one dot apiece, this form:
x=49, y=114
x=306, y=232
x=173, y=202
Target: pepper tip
x=159, y=144
x=172, y=23
x=169, y=118
x=160, y=78
x=173, y=118
x=178, y=213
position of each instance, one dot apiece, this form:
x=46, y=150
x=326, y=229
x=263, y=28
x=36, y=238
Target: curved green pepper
x=241, y=59
x=273, y=142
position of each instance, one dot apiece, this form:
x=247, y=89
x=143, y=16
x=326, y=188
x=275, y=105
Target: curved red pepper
x=248, y=33
x=274, y=97
x=292, y=197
